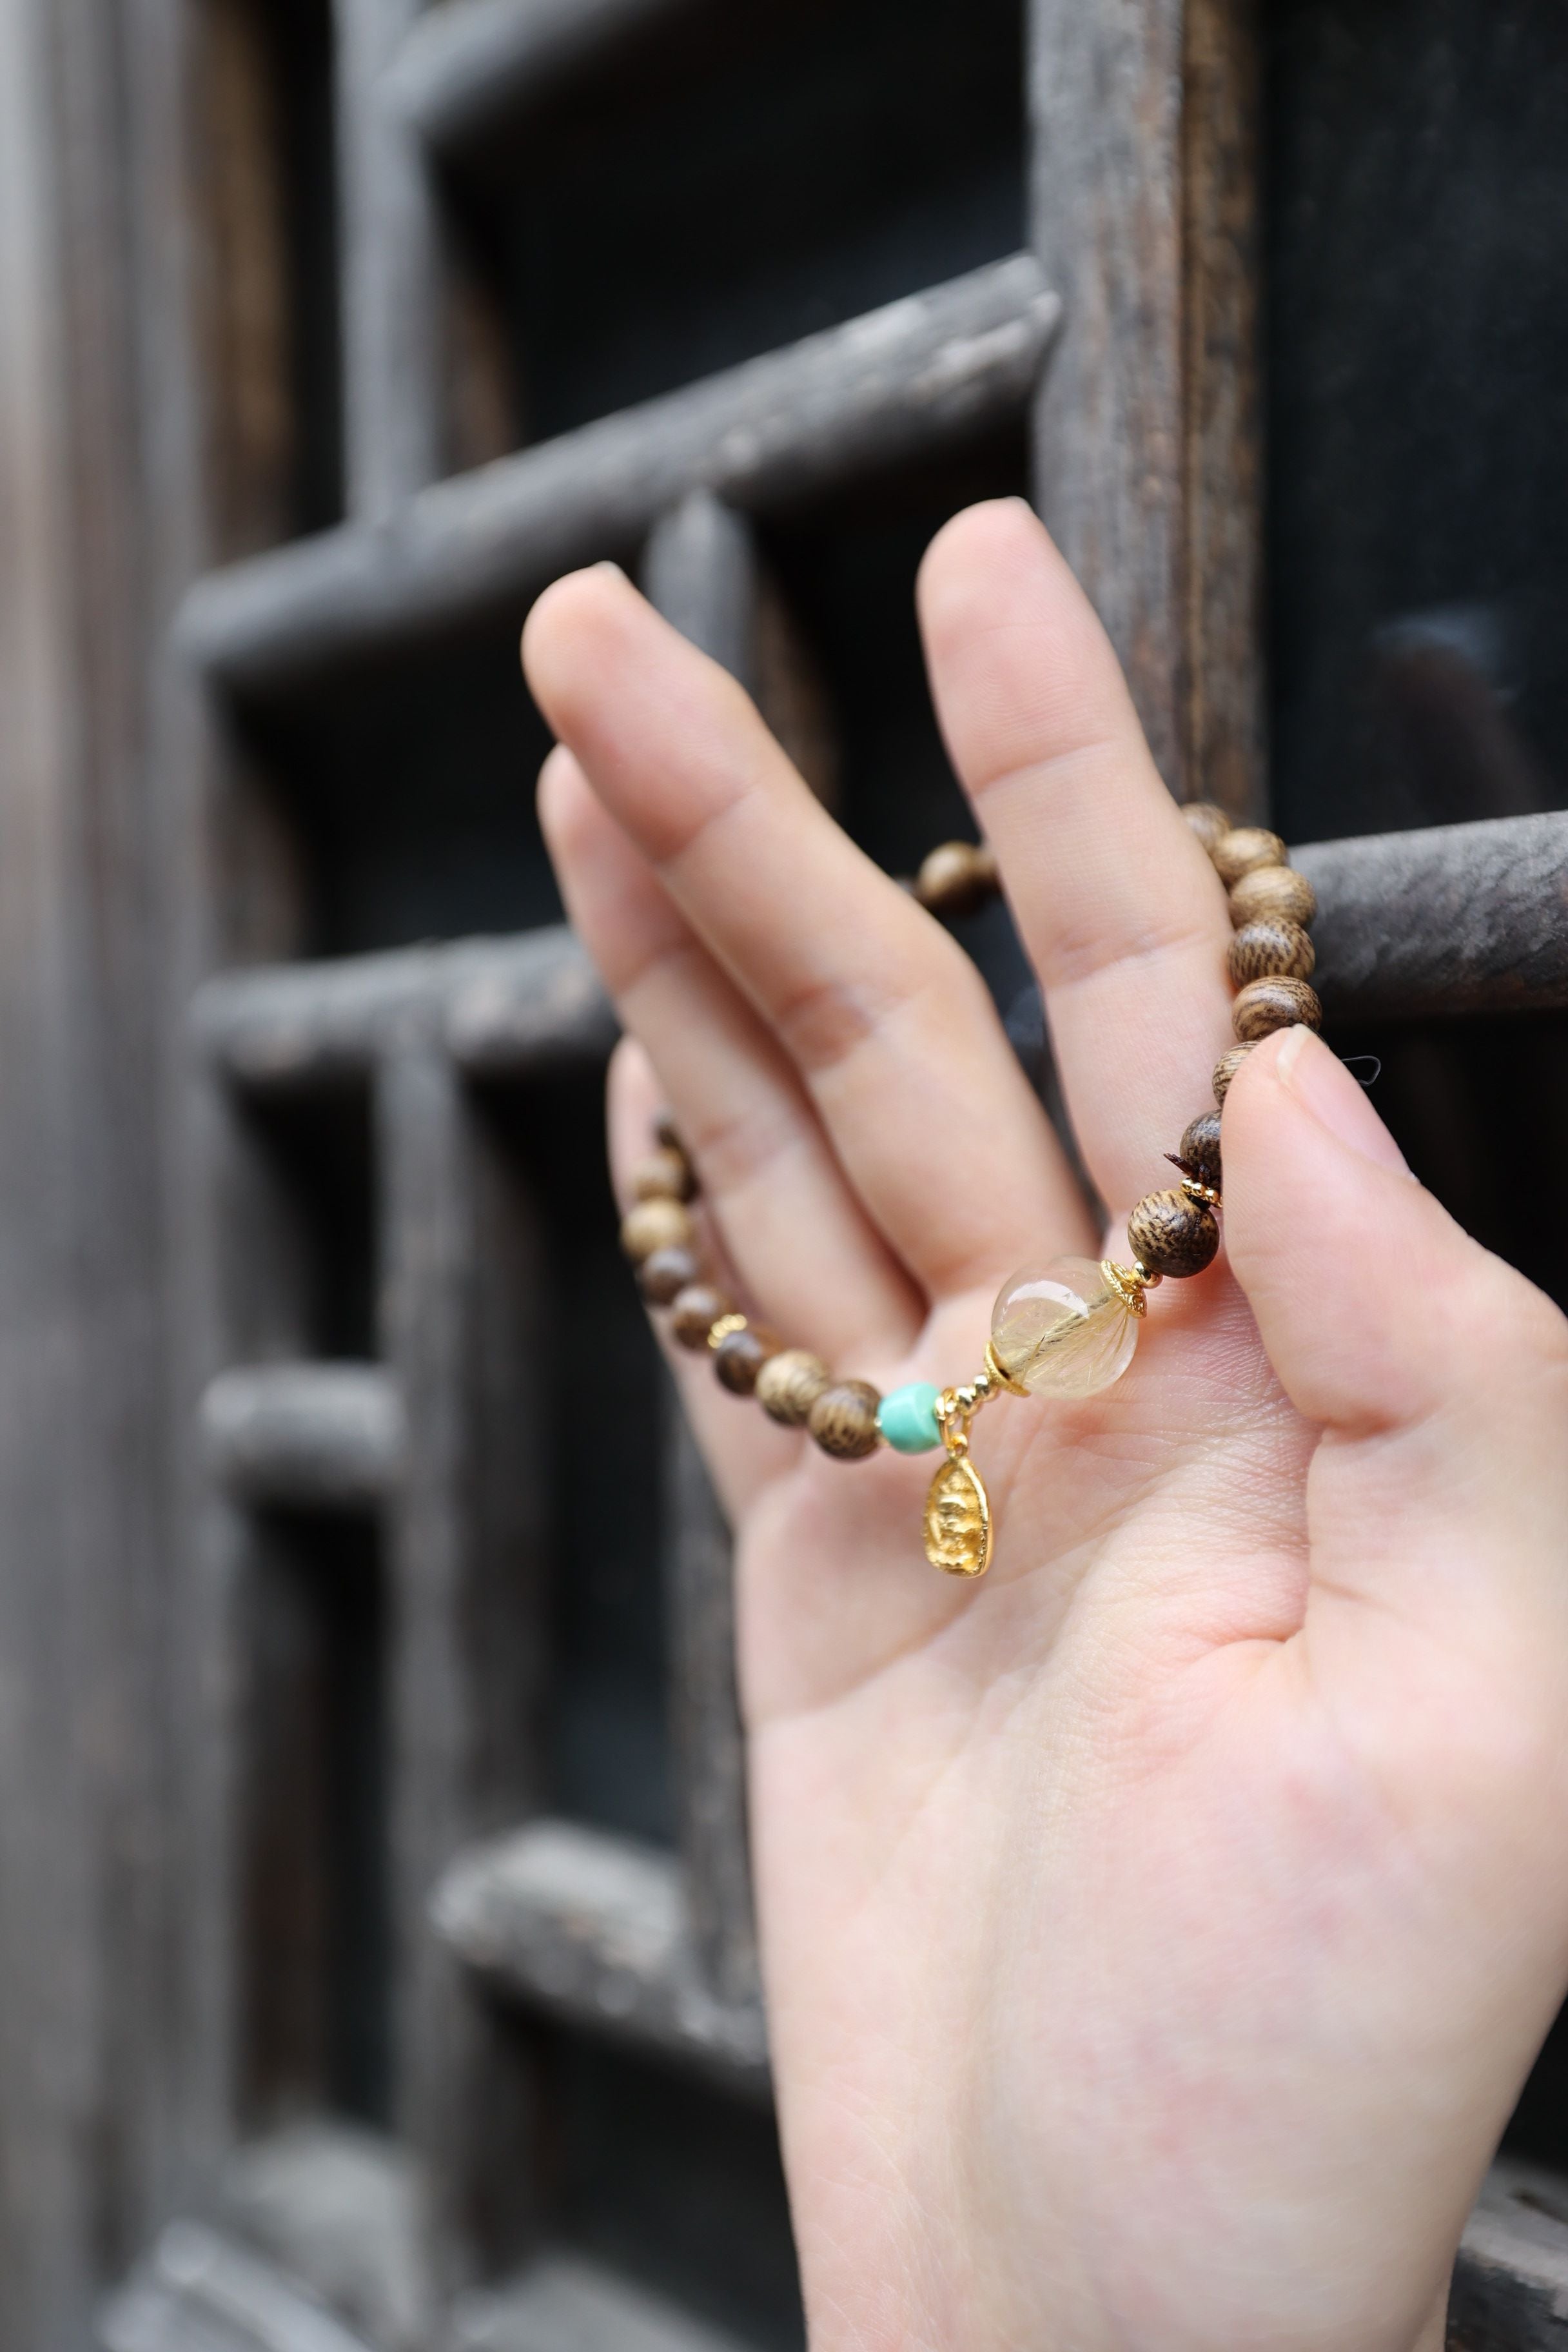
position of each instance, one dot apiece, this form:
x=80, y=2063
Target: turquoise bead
x=907, y=1419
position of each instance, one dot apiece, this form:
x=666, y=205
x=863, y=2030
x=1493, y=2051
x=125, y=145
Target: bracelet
x=1066, y=1328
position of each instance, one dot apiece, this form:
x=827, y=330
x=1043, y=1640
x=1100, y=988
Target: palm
x=1142, y=1902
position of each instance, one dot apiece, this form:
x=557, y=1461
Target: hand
x=1157, y=1933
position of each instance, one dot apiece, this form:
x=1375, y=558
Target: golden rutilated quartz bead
x=1244, y=849
x=654, y=1225
x=1266, y=1006
x=789, y=1384
x=1273, y=894
x=1062, y=1329
x=1268, y=951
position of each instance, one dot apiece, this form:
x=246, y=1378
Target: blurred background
x=376, y=1966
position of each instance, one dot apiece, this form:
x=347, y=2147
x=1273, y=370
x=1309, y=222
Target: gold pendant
x=958, y=1519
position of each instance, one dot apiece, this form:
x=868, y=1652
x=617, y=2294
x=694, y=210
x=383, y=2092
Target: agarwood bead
x=956, y=880
x=789, y=1384
x=697, y=1308
x=1210, y=824
x=1227, y=1066
x=1265, y=1005
x=1270, y=950
x=664, y=1276
x=1244, y=849
x=654, y=1225
x=843, y=1421
x=1199, y=1153
x=740, y=1357
x=1273, y=894
x=664, y=1175
x=668, y=1134
x=1172, y=1234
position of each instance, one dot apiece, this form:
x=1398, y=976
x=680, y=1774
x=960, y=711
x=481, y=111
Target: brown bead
x=740, y=1357
x=1227, y=1066
x=697, y=1308
x=1199, y=1152
x=1270, y=950
x=956, y=880
x=789, y=1384
x=664, y=1276
x=1172, y=1234
x=1210, y=824
x=1265, y=1005
x=667, y=1132
x=654, y=1225
x=1273, y=894
x=1244, y=849
x=664, y=1176
x=843, y=1420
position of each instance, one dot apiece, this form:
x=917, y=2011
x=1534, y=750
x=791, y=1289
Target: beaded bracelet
x=1064, y=1329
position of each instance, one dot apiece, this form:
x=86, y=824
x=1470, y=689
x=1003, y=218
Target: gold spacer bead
x=1196, y=1191
x=725, y=1328
x=1129, y=1282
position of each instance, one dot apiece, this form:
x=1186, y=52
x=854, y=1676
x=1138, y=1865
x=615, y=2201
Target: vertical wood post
x=463, y=1577
x=700, y=570
x=1146, y=439
x=392, y=367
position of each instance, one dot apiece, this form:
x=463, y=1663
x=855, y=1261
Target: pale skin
x=1157, y=1933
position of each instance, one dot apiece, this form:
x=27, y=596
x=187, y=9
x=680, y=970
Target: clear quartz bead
x=1061, y=1330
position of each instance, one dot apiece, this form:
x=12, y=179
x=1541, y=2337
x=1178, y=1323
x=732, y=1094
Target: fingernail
x=1320, y=1082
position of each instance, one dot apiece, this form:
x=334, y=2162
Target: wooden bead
x=956, y=880
x=1210, y=824
x=1199, y=1153
x=654, y=1225
x=664, y=1276
x=1270, y=950
x=1227, y=1066
x=667, y=1132
x=843, y=1421
x=1172, y=1234
x=740, y=1357
x=1273, y=894
x=697, y=1308
x=1266, y=1006
x=664, y=1176
x=1244, y=849
x=789, y=1384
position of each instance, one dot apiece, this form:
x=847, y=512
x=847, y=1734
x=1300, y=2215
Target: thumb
x=1385, y=1321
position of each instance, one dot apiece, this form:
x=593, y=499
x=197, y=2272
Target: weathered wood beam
x=306, y=1436
x=507, y=1006
x=467, y=68
x=200, y=2292
x=1454, y=918
x=702, y=571
x=1510, y=2283
x=596, y=1930
x=564, y=2304
x=391, y=342
x=934, y=369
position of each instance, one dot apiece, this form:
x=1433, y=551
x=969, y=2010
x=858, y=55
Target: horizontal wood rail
x=467, y=68
x=900, y=381
x=595, y=1930
x=304, y=1436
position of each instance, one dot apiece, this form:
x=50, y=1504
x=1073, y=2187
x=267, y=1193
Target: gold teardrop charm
x=958, y=1519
